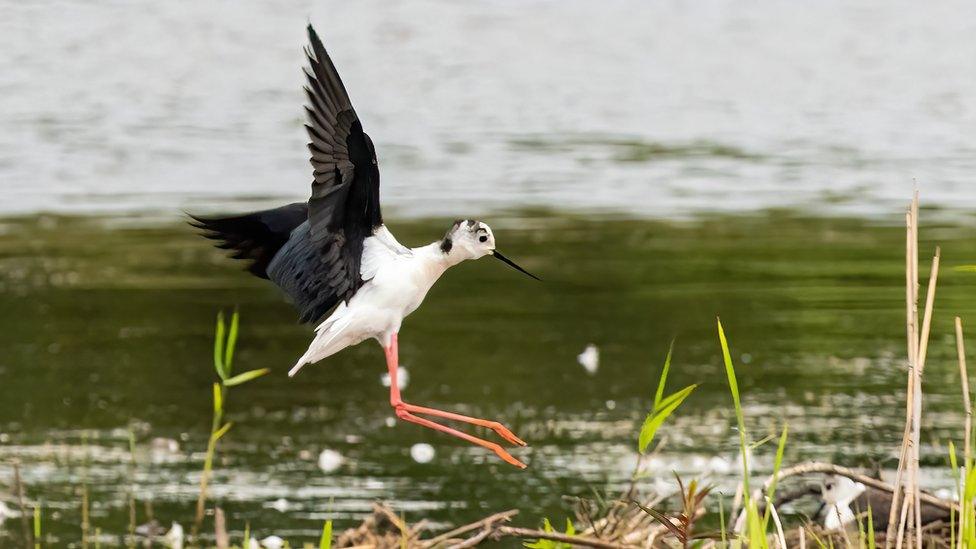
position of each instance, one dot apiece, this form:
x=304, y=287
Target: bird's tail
x=329, y=339
x=255, y=236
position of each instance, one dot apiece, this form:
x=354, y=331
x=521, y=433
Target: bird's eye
x=830, y=486
x=483, y=238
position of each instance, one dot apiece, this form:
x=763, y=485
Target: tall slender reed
x=906, y=504
x=911, y=308
x=223, y=358
x=964, y=480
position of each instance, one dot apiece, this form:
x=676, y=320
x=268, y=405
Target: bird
x=843, y=499
x=336, y=260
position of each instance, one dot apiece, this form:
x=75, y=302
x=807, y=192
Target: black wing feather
x=313, y=251
x=344, y=208
x=257, y=236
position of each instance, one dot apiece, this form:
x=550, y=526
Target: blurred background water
x=658, y=163
x=659, y=108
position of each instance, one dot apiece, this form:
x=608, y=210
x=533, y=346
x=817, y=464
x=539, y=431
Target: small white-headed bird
x=334, y=257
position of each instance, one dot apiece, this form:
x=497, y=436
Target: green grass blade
x=231, y=344
x=756, y=534
x=664, y=377
x=219, y=346
x=871, y=542
x=954, y=464
x=777, y=463
x=222, y=431
x=739, y=416
x=820, y=543
x=246, y=376
x=953, y=461
x=721, y=521
x=218, y=397
x=326, y=541
x=662, y=518
x=545, y=543
x=37, y=522
x=657, y=417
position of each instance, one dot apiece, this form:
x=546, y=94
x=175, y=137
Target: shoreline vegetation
x=693, y=514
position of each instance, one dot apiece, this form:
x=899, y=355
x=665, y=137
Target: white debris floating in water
x=174, y=538
x=272, y=542
x=330, y=461
x=5, y=512
x=163, y=449
x=403, y=378
x=589, y=359
x=281, y=505
x=165, y=445
x=422, y=452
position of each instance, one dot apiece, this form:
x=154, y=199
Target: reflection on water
x=664, y=108
x=106, y=327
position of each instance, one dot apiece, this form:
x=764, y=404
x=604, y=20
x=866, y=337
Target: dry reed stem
x=22, y=503
x=912, y=328
x=968, y=406
x=504, y=516
x=780, y=537
x=910, y=244
x=85, y=518
x=221, y=538
x=920, y=361
x=908, y=460
x=555, y=536
x=917, y=393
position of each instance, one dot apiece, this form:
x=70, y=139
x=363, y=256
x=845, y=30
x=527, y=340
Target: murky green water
x=105, y=324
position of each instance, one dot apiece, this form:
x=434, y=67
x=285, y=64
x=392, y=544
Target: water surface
x=657, y=108
x=107, y=325
x=658, y=163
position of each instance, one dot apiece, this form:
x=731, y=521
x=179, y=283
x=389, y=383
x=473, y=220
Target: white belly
x=397, y=287
x=389, y=297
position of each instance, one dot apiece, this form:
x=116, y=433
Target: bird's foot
x=495, y=426
x=406, y=412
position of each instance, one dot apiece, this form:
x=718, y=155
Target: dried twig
x=555, y=536
x=22, y=503
x=779, y=525
x=473, y=540
x=491, y=521
x=221, y=539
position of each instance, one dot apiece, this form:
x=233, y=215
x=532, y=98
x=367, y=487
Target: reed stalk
x=908, y=506
x=223, y=358
x=911, y=323
x=967, y=517
x=22, y=503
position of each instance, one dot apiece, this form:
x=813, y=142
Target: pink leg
x=403, y=411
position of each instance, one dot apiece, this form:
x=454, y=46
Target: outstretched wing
x=346, y=189
x=344, y=208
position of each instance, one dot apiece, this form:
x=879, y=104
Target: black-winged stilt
x=843, y=499
x=334, y=257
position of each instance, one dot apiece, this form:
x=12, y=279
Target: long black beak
x=512, y=264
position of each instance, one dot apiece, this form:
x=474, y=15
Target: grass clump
x=663, y=406
x=223, y=359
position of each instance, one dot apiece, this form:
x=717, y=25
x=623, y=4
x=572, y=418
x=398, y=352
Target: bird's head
x=837, y=489
x=471, y=239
